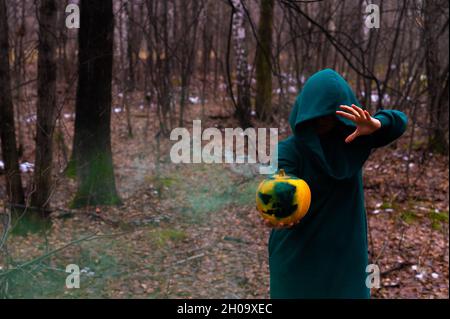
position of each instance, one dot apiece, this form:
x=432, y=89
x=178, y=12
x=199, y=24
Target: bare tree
x=263, y=102
x=127, y=69
x=187, y=45
x=243, y=102
x=7, y=130
x=437, y=75
x=46, y=106
x=161, y=61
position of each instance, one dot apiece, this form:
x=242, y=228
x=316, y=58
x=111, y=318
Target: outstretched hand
x=365, y=124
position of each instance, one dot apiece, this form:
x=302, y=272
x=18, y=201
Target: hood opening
x=322, y=95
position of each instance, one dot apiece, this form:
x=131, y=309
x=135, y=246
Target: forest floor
x=191, y=231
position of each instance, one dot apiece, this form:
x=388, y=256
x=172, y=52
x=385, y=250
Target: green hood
x=321, y=95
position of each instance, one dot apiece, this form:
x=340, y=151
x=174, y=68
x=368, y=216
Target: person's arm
x=393, y=125
x=287, y=158
x=374, y=131
x=288, y=161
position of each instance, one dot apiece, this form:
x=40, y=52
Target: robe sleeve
x=393, y=125
x=287, y=158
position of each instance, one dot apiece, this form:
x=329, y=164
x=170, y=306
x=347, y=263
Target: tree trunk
x=127, y=73
x=243, y=103
x=436, y=83
x=94, y=166
x=188, y=45
x=10, y=156
x=263, y=61
x=46, y=106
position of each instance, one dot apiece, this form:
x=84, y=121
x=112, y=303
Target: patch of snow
x=292, y=89
x=31, y=118
x=420, y=275
x=194, y=99
x=26, y=167
x=87, y=271
x=117, y=110
x=69, y=115
x=435, y=275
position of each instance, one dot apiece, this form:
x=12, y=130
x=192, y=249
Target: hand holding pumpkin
x=280, y=225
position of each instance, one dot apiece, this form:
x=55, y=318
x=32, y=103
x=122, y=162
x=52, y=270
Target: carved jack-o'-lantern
x=283, y=199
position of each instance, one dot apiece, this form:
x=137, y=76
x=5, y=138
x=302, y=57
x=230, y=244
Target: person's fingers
x=367, y=115
x=267, y=223
x=280, y=225
x=359, y=110
x=350, y=110
x=348, y=116
x=351, y=137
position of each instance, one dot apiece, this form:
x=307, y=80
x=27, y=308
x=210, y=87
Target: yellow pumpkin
x=283, y=199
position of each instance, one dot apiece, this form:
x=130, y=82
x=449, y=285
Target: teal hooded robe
x=326, y=254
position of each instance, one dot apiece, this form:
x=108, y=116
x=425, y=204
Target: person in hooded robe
x=325, y=255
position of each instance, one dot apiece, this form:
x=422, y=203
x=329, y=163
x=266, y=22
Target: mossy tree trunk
x=263, y=61
x=93, y=157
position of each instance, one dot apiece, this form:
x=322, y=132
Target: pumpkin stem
x=281, y=172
